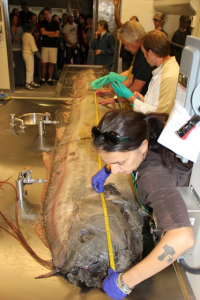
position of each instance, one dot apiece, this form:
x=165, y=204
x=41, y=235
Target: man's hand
x=121, y=90
x=74, y=45
x=116, y=2
x=103, y=92
x=106, y=101
x=138, y=96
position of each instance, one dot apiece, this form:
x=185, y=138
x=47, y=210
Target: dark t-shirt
x=142, y=70
x=125, y=54
x=47, y=41
x=25, y=18
x=157, y=188
x=179, y=37
x=162, y=30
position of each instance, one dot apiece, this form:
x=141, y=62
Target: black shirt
x=47, y=41
x=25, y=18
x=125, y=54
x=142, y=70
x=157, y=188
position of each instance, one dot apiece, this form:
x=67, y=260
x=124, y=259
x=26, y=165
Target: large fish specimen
x=73, y=213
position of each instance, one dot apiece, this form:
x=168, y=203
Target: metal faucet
x=45, y=121
x=13, y=120
x=23, y=179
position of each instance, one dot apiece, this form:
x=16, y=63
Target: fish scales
x=73, y=213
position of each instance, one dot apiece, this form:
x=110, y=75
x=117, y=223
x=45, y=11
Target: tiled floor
x=44, y=90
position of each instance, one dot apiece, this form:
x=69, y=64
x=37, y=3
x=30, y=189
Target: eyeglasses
x=110, y=137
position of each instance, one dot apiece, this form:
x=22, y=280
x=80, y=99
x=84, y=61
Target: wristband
x=122, y=285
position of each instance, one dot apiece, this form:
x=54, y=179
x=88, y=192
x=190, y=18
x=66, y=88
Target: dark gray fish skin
x=73, y=213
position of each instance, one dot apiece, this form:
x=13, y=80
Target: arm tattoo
x=168, y=251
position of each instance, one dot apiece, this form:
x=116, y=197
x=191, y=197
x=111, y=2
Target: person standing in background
x=87, y=35
x=60, y=55
x=64, y=20
x=158, y=20
x=25, y=14
x=38, y=41
x=104, y=45
x=76, y=12
x=15, y=11
x=16, y=41
x=29, y=48
x=50, y=32
x=81, y=41
x=41, y=16
x=126, y=55
x=179, y=38
x=71, y=40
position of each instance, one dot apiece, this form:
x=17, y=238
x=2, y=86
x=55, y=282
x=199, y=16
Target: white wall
x=144, y=10
x=4, y=72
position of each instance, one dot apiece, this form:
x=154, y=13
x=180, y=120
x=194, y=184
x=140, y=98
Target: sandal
x=33, y=84
x=28, y=87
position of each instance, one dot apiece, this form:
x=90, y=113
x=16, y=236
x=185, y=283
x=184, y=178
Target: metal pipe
x=195, y=271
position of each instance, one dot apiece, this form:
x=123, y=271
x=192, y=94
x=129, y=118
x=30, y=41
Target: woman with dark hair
x=41, y=16
x=127, y=142
x=82, y=44
x=104, y=45
x=16, y=41
x=15, y=11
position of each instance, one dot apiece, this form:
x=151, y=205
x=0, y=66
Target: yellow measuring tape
x=110, y=250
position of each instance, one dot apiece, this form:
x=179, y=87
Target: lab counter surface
x=22, y=148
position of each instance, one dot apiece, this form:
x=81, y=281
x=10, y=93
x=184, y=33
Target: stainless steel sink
x=32, y=118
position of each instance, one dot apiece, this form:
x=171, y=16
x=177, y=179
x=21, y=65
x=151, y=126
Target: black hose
x=195, y=271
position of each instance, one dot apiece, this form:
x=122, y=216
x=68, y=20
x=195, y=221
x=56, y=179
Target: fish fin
x=48, y=159
x=52, y=273
x=40, y=231
x=60, y=133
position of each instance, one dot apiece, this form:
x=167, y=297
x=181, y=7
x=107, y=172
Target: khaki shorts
x=49, y=55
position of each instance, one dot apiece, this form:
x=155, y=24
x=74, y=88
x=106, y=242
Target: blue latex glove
x=99, y=179
x=111, y=77
x=121, y=90
x=110, y=287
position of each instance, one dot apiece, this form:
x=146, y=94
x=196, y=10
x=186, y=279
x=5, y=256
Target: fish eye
x=85, y=236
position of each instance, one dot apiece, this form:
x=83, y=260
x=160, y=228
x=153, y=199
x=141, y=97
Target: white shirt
x=28, y=43
x=161, y=90
x=71, y=31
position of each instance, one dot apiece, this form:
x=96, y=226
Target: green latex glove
x=111, y=77
x=121, y=90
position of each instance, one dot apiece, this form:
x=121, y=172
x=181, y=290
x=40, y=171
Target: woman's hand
x=99, y=179
x=97, y=52
x=110, y=286
x=97, y=33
